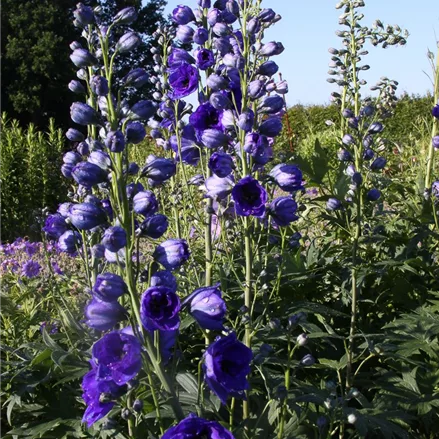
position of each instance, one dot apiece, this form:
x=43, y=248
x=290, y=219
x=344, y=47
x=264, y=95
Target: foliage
x=30, y=179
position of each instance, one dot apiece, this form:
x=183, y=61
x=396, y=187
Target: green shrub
x=30, y=176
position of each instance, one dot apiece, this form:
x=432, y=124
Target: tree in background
x=35, y=54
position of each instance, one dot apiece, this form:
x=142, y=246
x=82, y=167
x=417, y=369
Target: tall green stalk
x=435, y=128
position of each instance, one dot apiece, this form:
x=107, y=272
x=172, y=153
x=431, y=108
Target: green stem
x=287, y=387
x=435, y=127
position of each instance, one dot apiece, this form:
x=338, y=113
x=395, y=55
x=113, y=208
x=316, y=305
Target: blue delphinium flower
x=373, y=194
x=194, y=427
x=86, y=216
x=145, y=203
x=207, y=307
x=83, y=114
x=159, y=309
x=333, y=204
x=154, y=226
x=287, y=177
x=69, y=242
x=114, y=238
x=226, y=366
x=158, y=169
x=172, y=253
x=102, y=315
x=55, y=226
x=183, y=81
x=109, y=287
x=164, y=278
x=118, y=357
x=283, y=211
x=249, y=197
x=116, y=360
x=221, y=164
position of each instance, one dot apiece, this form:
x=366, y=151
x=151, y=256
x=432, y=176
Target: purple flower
x=213, y=138
x=159, y=309
x=226, y=366
x=307, y=360
x=256, y=89
x=135, y=132
x=373, y=195
x=83, y=14
x=86, y=216
x=76, y=87
x=220, y=101
x=88, y=174
x=103, y=315
x=368, y=154
x=30, y=269
x=128, y=42
x=204, y=58
x=283, y=211
x=99, y=85
x=136, y=78
x=204, y=117
x=435, y=111
x=158, y=169
x=267, y=15
x=92, y=390
x=249, y=197
x=69, y=242
x=109, y=287
x=83, y=114
x=268, y=68
x=145, y=203
x=221, y=164
x=270, y=104
x=201, y=35
x=218, y=188
x=56, y=268
x=71, y=158
x=375, y=127
x=193, y=428
x=83, y=58
x=164, y=278
x=245, y=120
x=207, y=307
x=114, y=238
x=435, y=189
x=271, y=127
x=185, y=33
x=134, y=188
x=333, y=204
x=74, y=135
x=100, y=158
x=435, y=142
x=183, y=14
x=117, y=357
x=287, y=177
x=179, y=56
x=126, y=16
x=216, y=82
x=115, y=141
x=378, y=164
x=154, y=226
x=183, y=81
x=142, y=110
x=272, y=48
x=55, y=226
x=172, y=253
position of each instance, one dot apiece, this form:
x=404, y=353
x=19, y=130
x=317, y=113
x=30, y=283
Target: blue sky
x=307, y=30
